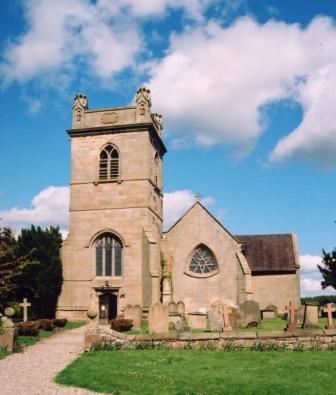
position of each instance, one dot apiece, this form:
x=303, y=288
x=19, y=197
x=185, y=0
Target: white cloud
x=214, y=82
x=64, y=37
x=311, y=277
x=176, y=203
x=48, y=207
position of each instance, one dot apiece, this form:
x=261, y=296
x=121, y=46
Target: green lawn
x=210, y=372
x=75, y=324
x=3, y=353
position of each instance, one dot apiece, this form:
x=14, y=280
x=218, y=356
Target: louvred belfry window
x=109, y=163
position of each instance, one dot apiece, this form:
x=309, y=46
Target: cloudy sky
x=246, y=89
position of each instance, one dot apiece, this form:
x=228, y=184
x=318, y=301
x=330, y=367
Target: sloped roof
x=266, y=253
x=210, y=215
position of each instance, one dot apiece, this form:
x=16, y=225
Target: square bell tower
x=111, y=257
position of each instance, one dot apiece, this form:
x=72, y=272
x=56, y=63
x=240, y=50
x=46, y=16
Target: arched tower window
x=109, y=255
x=203, y=261
x=156, y=168
x=109, y=163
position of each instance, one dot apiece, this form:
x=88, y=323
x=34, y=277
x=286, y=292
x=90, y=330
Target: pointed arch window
x=156, y=169
x=202, y=262
x=109, y=163
x=109, y=256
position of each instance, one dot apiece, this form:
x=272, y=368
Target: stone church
x=116, y=253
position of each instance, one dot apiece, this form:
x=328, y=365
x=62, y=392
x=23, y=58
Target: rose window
x=203, y=261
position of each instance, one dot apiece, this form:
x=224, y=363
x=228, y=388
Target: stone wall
x=198, y=227
x=316, y=340
x=276, y=289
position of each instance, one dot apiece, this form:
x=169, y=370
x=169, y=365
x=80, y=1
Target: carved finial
x=80, y=105
x=143, y=104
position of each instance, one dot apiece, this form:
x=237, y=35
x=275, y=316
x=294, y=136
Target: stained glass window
x=203, y=261
x=108, y=256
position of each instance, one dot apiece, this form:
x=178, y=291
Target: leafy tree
x=42, y=283
x=11, y=267
x=328, y=269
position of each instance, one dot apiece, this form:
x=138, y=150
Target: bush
x=121, y=324
x=46, y=324
x=29, y=328
x=60, y=322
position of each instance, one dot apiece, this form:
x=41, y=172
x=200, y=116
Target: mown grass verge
x=208, y=372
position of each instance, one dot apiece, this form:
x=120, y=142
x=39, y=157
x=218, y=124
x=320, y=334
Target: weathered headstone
x=250, y=313
x=134, y=313
x=224, y=311
x=300, y=315
x=329, y=309
x=311, y=315
x=9, y=336
x=158, y=318
x=172, y=307
x=291, y=325
x=216, y=320
x=25, y=306
x=180, y=307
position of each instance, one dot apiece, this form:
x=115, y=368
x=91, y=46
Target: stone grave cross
x=329, y=310
x=291, y=326
x=25, y=306
x=224, y=311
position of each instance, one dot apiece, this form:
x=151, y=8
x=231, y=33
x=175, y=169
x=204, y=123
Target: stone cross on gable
x=291, y=326
x=224, y=311
x=198, y=197
x=329, y=310
x=25, y=306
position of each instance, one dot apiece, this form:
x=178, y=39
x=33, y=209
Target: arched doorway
x=108, y=307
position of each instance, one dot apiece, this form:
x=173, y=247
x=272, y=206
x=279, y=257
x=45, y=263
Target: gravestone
x=311, y=315
x=134, y=313
x=8, y=337
x=250, y=313
x=300, y=315
x=180, y=308
x=197, y=320
x=172, y=307
x=25, y=304
x=158, y=318
x=329, y=309
x=216, y=320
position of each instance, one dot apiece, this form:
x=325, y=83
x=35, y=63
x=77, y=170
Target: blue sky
x=246, y=89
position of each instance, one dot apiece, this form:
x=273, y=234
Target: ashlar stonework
x=117, y=255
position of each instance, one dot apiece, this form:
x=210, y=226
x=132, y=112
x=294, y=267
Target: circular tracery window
x=203, y=261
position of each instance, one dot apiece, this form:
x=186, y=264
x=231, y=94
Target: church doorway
x=108, y=307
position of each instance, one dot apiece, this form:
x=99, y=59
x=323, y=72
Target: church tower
x=111, y=257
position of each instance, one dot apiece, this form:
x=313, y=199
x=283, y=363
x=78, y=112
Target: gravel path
x=33, y=372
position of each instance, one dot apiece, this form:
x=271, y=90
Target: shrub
x=60, y=322
x=46, y=324
x=121, y=324
x=29, y=328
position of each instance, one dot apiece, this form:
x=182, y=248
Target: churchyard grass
x=207, y=372
x=3, y=352
x=74, y=324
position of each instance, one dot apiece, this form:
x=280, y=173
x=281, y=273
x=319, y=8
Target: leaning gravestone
x=250, y=313
x=134, y=313
x=158, y=318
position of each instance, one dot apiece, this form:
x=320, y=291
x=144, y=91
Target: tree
x=41, y=283
x=328, y=271
x=8, y=265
